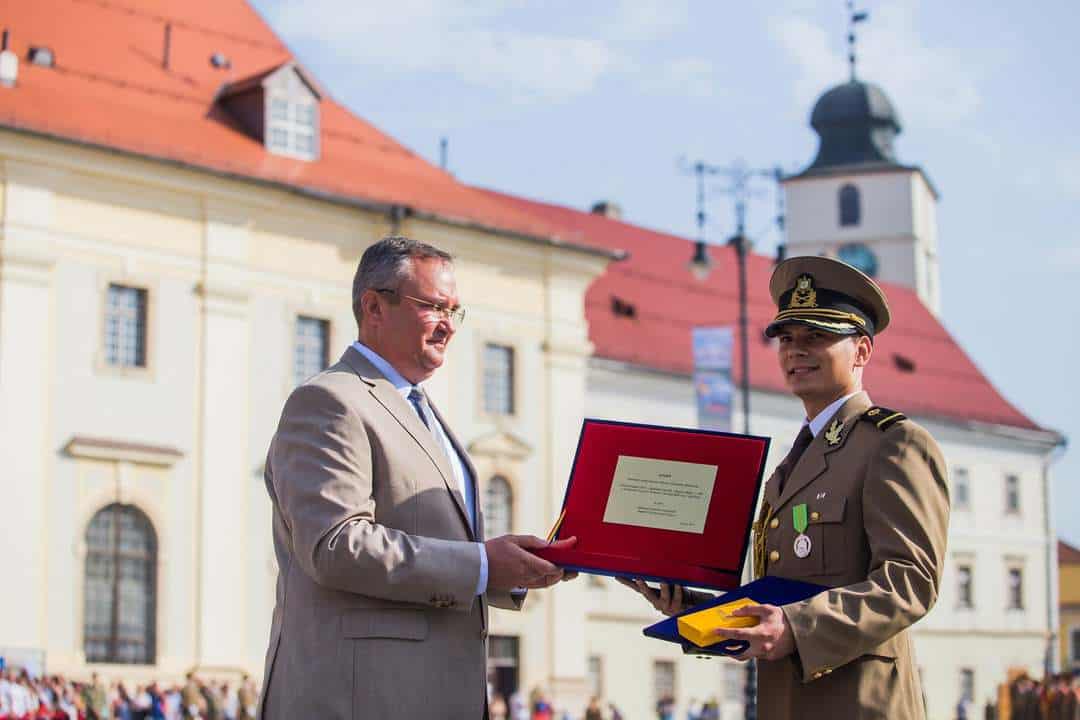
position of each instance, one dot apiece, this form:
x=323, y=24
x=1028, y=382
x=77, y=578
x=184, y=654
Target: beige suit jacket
x=376, y=613
x=878, y=510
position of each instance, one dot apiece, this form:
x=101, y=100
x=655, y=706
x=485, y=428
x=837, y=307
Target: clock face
x=860, y=256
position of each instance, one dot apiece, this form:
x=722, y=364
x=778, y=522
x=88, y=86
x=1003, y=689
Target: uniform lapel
x=387, y=395
x=815, y=461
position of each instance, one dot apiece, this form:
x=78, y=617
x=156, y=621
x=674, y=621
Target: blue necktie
x=419, y=403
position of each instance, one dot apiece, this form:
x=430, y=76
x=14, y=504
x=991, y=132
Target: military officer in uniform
x=859, y=505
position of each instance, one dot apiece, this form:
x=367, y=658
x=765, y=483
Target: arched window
x=120, y=598
x=498, y=507
x=850, y=210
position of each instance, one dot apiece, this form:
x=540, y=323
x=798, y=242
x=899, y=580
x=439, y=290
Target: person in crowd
x=97, y=699
x=497, y=709
x=122, y=706
x=191, y=697
x=519, y=706
x=594, y=710
x=247, y=699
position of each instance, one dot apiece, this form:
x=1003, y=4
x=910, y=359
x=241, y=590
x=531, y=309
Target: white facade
x=227, y=268
x=898, y=223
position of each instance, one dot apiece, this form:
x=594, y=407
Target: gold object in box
x=699, y=627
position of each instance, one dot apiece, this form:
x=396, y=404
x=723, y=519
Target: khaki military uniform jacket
x=878, y=511
x=377, y=614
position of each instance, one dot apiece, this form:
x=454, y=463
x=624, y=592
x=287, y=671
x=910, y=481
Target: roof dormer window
x=292, y=126
x=280, y=107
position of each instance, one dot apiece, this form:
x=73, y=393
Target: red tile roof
x=109, y=88
x=1067, y=554
x=669, y=302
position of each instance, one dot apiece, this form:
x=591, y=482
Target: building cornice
x=393, y=211
x=82, y=446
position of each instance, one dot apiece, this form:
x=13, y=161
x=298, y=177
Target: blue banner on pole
x=712, y=376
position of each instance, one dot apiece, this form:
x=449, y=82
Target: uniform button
x=774, y=556
x=775, y=523
x=815, y=515
x=483, y=634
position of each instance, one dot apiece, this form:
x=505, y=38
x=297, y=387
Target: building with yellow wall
x=1069, y=605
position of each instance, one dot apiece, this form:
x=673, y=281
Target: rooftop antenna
x=168, y=46
x=444, y=151
x=854, y=18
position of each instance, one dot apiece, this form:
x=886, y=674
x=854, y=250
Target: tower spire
x=854, y=18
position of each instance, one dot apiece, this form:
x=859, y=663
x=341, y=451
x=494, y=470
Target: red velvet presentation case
x=710, y=559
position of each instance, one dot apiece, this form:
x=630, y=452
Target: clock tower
x=856, y=202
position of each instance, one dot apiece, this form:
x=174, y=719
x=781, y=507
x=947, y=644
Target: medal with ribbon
x=802, y=540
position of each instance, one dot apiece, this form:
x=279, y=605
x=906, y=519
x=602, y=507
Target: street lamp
x=700, y=266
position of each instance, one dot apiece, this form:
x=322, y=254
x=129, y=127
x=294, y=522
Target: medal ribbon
x=798, y=518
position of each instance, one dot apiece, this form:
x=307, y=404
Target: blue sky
x=576, y=102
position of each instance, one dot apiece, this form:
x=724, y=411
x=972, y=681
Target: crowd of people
x=539, y=707
x=1054, y=698
x=52, y=697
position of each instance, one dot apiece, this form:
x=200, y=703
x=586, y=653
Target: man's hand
x=770, y=639
x=511, y=565
x=668, y=599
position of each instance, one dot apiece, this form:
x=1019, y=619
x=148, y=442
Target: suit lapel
x=815, y=460
x=470, y=473
x=384, y=392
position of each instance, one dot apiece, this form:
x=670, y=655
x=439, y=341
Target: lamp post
x=701, y=265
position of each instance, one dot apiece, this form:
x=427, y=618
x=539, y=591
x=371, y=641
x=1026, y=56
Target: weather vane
x=854, y=17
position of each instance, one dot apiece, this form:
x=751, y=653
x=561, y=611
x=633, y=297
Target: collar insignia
x=832, y=434
x=803, y=295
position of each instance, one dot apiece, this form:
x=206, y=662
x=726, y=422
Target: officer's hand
x=511, y=565
x=770, y=639
x=668, y=599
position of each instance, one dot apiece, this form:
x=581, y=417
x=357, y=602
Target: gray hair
x=387, y=264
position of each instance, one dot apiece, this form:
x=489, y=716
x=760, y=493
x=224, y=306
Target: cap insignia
x=803, y=295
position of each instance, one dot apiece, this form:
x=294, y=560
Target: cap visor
x=835, y=328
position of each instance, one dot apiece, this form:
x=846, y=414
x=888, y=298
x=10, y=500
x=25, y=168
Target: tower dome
x=857, y=124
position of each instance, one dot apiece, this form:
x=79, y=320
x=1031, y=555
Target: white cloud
x=648, y=19
x=932, y=83
x=687, y=76
x=450, y=36
x=476, y=41
x=811, y=48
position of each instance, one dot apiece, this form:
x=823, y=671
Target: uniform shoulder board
x=883, y=418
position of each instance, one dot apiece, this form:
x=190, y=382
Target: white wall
x=898, y=222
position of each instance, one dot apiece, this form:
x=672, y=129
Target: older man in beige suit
x=383, y=575
x=860, y=505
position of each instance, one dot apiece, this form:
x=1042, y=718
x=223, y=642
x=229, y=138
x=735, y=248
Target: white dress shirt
x=822, y=418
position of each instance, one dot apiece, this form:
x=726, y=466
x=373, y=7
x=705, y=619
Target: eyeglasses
x=446, y=313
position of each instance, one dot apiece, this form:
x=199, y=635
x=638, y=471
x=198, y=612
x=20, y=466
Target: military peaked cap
x=827, y=294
